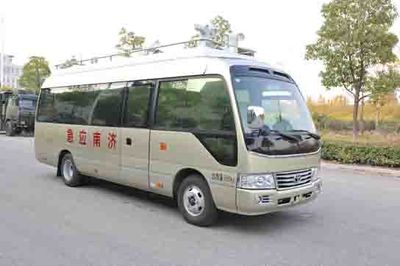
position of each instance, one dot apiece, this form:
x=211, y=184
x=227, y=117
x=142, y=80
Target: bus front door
x=135, y=135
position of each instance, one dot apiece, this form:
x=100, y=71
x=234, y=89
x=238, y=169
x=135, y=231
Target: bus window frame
x=195, y=132
x=152, y=110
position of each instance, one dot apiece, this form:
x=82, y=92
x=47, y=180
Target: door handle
x=128, y=141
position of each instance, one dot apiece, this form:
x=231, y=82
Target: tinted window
x=201, y=106
x=106, y=110
x=27, y=103
x=196, y=103
x=137, y=104
x=13, y=101
x=68, y=105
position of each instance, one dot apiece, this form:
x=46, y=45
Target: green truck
x=17, y=112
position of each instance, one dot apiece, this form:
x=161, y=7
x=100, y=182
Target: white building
x=11, y=72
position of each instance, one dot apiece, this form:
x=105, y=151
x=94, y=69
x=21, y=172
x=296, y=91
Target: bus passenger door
x=103, y=140
x=135, y=135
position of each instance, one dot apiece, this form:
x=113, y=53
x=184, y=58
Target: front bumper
x=257, y=202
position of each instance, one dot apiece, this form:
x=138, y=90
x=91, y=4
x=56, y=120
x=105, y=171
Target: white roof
x=184, y=62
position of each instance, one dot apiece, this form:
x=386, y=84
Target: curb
x=362, y=168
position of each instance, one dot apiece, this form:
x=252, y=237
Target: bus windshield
x=27, y=103
x=284, y=106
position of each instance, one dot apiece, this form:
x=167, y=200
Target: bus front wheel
x=195, y=201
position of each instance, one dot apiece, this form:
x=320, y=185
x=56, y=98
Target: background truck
x=17, y=112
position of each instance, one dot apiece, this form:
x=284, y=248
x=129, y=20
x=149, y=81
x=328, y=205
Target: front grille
x=285, y=180
x=29, y=119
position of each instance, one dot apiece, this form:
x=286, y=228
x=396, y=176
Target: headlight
x=315, y=173
x=256, y=181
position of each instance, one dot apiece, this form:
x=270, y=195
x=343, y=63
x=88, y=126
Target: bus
x=213, y=129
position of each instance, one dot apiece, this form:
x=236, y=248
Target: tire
x=195, y=201
x=18, y=130
x=69, y=172
x=9, y=129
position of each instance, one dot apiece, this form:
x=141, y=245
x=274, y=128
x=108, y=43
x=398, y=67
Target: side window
x=194, y=104
x=202, y=107
x=106, y=109
x=137, y=103
x=46, y=106
x=72, y=105
x=12, y=101
x=68, y=105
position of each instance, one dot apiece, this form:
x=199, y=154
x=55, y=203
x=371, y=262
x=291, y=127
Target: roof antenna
x=153, y=49
x=206, y=35
x=233, y=41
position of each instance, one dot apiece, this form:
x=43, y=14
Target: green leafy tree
x=381, y=87
x=129, y=41
x=6, y=88
x=223, y=28
x=34, y=73
x=354, y=38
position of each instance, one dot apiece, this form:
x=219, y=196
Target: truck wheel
x=9, y=129
x=195, y=201
x=69, y=172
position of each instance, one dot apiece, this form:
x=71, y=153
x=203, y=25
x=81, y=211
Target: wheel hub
x=193, y=200
x=68, y=170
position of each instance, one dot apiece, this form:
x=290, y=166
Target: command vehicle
x=213, y=129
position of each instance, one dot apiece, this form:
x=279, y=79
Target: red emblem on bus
x=96, y=139
x=112, y=140
x=82, y=137
x=70, y=136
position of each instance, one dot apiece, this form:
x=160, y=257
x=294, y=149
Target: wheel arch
x=60, y=156
x=181, y=175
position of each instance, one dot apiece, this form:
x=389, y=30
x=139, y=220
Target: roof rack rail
x=206, y=37
x=154, y=49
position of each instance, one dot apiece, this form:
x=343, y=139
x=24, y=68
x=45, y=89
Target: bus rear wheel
x=195, y=201
x=69, y=172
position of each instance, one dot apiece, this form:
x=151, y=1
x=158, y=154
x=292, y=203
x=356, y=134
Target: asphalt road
x=356, y=221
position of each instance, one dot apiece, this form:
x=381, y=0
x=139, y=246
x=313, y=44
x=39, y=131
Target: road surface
x=356, y=221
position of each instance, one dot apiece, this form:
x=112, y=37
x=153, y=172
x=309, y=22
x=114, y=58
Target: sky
x=58, y=30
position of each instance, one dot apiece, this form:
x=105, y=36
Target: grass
x=368, y=138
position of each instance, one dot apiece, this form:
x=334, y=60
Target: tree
x=222, y=27
x=339, y=100
x=5, y=88
x=382, y=87
x=354, y=38
x=128, y=42
x=34, y=73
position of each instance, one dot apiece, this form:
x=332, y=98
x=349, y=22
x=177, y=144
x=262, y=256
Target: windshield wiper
x=313, y=135
x=287, y=136
x=266, y=131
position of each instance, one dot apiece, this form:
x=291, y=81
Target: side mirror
x=255, y=117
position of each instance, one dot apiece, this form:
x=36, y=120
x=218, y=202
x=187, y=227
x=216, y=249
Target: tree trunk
x=377, y=115
x=362, y=124
x=355, y=117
